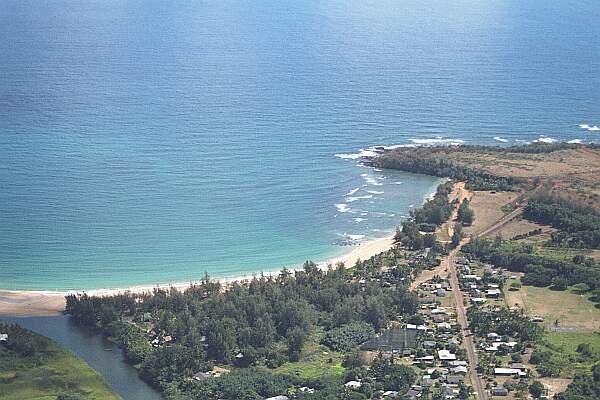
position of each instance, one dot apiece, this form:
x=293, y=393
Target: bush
x=346, y=337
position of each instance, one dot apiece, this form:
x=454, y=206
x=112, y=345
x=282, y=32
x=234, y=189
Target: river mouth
x=102, y=355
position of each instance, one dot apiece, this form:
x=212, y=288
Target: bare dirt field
x=487, y=207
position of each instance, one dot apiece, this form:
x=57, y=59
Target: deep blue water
x=151, y=141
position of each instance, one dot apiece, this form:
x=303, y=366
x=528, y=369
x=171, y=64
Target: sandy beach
x=44, y=303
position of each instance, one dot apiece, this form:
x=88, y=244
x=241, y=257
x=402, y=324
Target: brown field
x=487, y=207
x=570, y=309
x=569, y=172
x=520, y=226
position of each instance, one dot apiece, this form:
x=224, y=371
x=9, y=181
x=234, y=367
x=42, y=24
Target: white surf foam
x=438, y=140
x=343, y=208
x=575, y=141
x=359, y=220
x=350, y=193
x=352, y=199
x=545, y=139
x=355, y=156
x=355, y=237
x=589, y=127
x=371, y=180
x=500, y=139
x=375, y=191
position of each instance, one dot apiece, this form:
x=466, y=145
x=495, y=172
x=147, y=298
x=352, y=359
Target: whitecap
x=355, y=156
x=375, y=192
x=376, y=170
x=355, y=237
x=351, y=199
x=358, y=219
x=499, y=139
x=398, y=183
x=584, y=126
x=574, y=141
x=342, y=208
x=350, y=193
x=371, y=180
x=545, y=139
x=594, y=128
x=438, y=140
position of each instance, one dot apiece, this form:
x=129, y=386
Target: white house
x=445, y=355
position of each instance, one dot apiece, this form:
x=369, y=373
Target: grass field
x=59, y=372
x=570, y=309
x=563, y=347
x=316, y=361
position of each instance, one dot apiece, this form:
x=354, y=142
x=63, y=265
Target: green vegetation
x=34, y=367
x=539, y=271
x=503, y=322
x=344, y=338
x=432, y=161
x=266, y=322
x=579, y=225
x=584, y=387
x=566, y=354
x=465, y=213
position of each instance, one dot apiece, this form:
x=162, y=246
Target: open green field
x=315, y=362
x=570, y=309
x=59, y=371
x=563, y=347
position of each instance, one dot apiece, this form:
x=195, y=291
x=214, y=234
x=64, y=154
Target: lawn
x=315, y=362
x=563, y=347
x=59, y=372
x=570, y=309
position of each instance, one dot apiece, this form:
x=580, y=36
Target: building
x=445, y=355
x=278, y=398
x=499, y=391
x=3, y=337
x=509, y=372
x=353, y=384
x=493, y=293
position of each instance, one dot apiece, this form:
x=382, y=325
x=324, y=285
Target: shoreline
x=38, y=303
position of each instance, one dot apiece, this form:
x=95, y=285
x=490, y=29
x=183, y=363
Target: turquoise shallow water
x=145, y=142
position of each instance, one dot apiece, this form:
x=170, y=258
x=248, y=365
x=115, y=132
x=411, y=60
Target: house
x=493, y=335
x=477, y=300
x=214, y=373
x=3, y=337
x=454, y=379
x=441, y=293
x=353, y=384
x=459, y=370
x=509, y=372
x=390, y=393
x=499, y=391
x=278, y=398
x=438, y=311
x=411, y=326
x=445, y=355
x=493, y=293
x=412, y=394
x=439, y=318
x=458, y=363
x=429, y=344
x=200, y=376
x=448, y=392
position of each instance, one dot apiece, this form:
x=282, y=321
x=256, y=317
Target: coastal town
x=441, y=314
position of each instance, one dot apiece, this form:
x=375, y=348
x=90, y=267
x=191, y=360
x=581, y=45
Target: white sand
x=41, y=303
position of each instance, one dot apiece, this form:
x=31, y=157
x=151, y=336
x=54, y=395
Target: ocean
x=150, y=141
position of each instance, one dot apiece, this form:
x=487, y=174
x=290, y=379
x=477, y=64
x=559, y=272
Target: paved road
x=464, y=324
